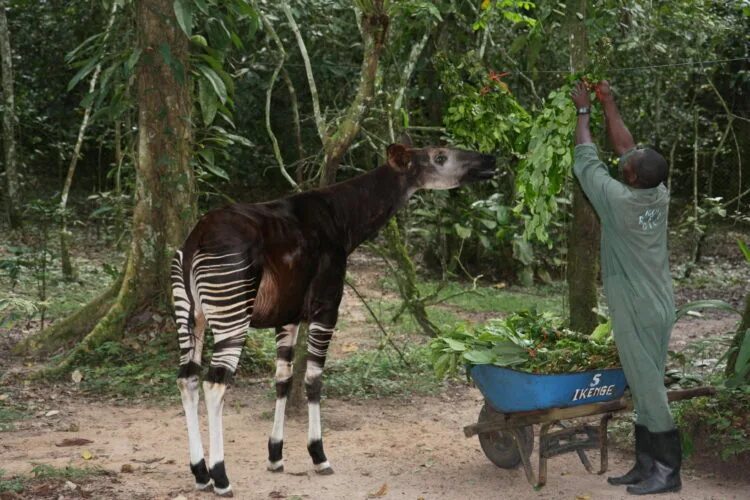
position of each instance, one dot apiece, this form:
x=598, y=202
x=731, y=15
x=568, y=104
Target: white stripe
x=214, y=394
x=189, y=393
x=313, y=430
x=277, y=433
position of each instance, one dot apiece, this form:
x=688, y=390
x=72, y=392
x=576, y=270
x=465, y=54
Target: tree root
x=70, y=329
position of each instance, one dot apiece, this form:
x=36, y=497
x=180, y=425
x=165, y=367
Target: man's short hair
x=650, y=167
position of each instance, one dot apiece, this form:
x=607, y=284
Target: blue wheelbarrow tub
x=510, y=391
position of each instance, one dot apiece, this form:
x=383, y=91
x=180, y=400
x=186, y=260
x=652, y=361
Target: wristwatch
x=585, y=110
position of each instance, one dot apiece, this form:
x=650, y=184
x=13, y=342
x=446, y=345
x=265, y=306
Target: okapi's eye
x=440, y=159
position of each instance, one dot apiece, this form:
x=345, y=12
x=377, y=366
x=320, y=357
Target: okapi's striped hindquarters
x=274, y=265
x=218, y=288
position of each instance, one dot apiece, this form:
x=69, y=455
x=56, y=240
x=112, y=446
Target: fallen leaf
x=583, y=497
x=70, y=485
x=73, y=442
x=77, y=376
x=87, y=455
x=349, y=348
x=276, y=494
x=3, y=397
x=51, y=413
x=380, y=493
x=127, y=469
x=149, y=460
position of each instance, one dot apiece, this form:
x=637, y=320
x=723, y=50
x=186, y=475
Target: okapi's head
x=440, y=168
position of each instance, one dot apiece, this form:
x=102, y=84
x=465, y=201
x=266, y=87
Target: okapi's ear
x=405, y=140
x=398, y=156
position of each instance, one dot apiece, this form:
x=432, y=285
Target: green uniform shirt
x=635, y=260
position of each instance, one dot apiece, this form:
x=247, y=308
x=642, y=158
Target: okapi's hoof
x=327, y=471
x=204, y=487
x=224, y=492
x=277, y=466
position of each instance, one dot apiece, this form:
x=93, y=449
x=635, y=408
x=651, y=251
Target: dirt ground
x=378, y=449
x=389, y=448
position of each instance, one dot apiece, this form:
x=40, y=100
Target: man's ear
x=398, y=156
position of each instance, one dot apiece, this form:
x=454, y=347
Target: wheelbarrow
x=515, y=401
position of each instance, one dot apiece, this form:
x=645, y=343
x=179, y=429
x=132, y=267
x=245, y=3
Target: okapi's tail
x=184, y=308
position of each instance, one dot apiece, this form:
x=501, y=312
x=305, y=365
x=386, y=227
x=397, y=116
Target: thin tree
x=67, y=265
x=12, y=193
x=373, y=21
x=165, y=193
x=583, y=234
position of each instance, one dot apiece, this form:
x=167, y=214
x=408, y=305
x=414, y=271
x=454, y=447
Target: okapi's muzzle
x=481, y=168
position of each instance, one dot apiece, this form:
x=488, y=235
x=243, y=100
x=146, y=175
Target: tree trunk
x=12, y=194
x=374, y=30
x=583, y=234
x=165, y=195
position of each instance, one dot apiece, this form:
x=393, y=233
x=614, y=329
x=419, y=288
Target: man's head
x=643, y=168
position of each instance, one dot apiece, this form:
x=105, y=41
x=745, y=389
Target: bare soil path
x=415, y=448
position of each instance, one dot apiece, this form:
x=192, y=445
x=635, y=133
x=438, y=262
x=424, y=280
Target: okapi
x=279, y=263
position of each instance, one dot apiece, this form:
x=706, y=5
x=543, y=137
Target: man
x=637, y=283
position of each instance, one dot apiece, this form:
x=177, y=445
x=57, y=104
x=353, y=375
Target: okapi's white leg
x=214, y=392
x=286, y=337
x=319, y=337
x=191, y=325
x=190, y=398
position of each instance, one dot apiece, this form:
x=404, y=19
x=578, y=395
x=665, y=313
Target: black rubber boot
x=643, y=461
x=666, y=451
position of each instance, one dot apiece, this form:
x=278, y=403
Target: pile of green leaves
x=526, y=341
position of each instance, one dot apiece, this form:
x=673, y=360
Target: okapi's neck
x=364, y=204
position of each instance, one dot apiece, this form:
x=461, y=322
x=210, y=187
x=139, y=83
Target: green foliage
x=14, y=484
x=741, y=376
x=690, y=307
x=376, y=374
x=46, y=472
x=513, y=11
x=724, y=419
x=14, y=309
x=69, y=472
x=10, y=412
x=527, y=341
x=545, y=170
x=130, y=371
x=482, y=113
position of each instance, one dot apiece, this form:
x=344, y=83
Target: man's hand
x=619, y=135
x=580, y=95
x=603, y=91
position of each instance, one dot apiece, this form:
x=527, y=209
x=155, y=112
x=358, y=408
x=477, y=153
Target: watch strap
x=584, y=110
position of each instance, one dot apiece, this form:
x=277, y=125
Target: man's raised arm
x=619, y=135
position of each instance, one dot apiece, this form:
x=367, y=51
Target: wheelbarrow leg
x=543, y=454
x=527, y=468
x=603, y=439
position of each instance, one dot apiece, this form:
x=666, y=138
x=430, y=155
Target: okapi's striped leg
x=191, y=326
x=319, y=337
x=286, y=337
x=227, y=285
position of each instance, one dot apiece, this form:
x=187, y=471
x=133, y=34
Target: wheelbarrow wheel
x=499, y=446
